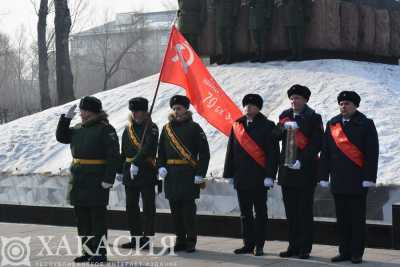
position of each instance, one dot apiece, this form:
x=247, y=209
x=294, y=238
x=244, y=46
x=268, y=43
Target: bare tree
x=45, y=100
x=62, y=22
x=46, y=38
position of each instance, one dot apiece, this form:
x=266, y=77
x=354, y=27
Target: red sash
x=249, y=145
x=301, y=139
x=344, y=145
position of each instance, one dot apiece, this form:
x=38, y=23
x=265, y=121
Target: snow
x=28, y=145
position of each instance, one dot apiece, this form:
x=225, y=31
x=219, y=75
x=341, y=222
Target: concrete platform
x=212, y=251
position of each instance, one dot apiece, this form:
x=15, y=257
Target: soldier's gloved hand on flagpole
x=119, y=177
x=367, y=184
x=71, y=112
x=230, y=180
x=106, y=185
x=324, y=184
x=162, y=173
x=268, y=182
x=134, y=170
x=296, y=165
x=290, y=125
x=198, y=180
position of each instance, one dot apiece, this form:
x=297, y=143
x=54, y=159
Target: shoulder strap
x=249, y=145
x=133, y=137
x=179, y=146
x=343, y=144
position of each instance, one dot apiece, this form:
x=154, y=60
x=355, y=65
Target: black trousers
x=193, y=40
x=296, y=40
x=300, y=217
x=351, y=223
x=226, y=39
x=184, y=219
x=259, y=41
x=92, y=221
x=253, y=227
x=140, y=225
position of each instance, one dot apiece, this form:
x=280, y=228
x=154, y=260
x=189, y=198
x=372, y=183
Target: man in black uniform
x=139, y=172
x=252, y=169
x=183, y=158
x=227, y=12
x=95, y=151
x=349, y=158
x=192, y=15
x=299, y=178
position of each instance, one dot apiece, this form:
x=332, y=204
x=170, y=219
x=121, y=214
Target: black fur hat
x=301, y=90
x=253, y=99
x=179, y=100
x=138, y=104
x=91, y=103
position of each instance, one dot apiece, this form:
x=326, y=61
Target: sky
x=17, y=14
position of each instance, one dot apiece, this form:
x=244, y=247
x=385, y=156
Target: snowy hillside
x=28, y=145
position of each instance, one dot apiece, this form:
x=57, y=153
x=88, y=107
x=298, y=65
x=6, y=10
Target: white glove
x=230, y=180
x=134, y=170
x=162, y=173
x=368, y=184
x=119, y=177
x=296, y=165
x=268, y=182
x=198, y=180
x=290, y=125
x=71, y=112
x=106, y=185
x=324, y=184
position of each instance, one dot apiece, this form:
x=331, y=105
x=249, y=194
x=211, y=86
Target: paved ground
x=211, y=251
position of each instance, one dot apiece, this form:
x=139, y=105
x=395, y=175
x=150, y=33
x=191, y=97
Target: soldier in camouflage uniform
x=227, y=12
x=260, y=23
x=183, y=158
x=297, y=15
x=192, y=15
x=95, y=151
x=139, y=172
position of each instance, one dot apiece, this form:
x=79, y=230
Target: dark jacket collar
x=357, y=118
x=188, y=117
x=306, y=112
x=258, y=117
x=132, y=121
x=102, y=117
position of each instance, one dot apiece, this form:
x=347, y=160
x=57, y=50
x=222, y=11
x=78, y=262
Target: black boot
x=244, y=250
x=190, y=248
x=287, y=254
x=259, y=251
x=145, y=242
x=84, y=258
x=98, y=259
x=356, y=260
x=340, y=258
x=304, y=255
x=129, y=245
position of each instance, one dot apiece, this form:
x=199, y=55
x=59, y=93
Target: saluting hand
x=71, y=112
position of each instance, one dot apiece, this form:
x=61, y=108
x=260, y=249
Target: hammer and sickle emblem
x=179, y=56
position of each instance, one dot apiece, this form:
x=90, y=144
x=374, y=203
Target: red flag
x=183, y=67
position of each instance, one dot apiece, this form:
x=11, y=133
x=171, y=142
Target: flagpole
x=158, y=86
